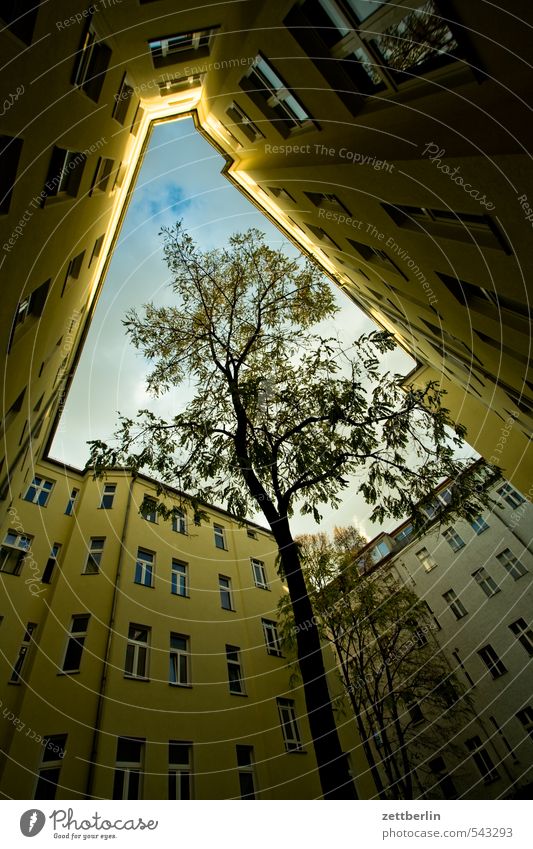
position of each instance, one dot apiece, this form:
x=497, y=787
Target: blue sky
x=180, y=178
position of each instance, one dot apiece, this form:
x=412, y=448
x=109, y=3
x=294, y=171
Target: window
x=259, y=573
x=30, y=306
x=179, y=522
x=525, y=716
x=289, y=725
x=94, y=557
x=479, y=525
x=39, y=491
x=10, y=150
x=487, y=584
x=149, y=510
x=453, y=539
x=491, y=660
x=20, y=17
x=251, y=534
x=97, y=247
x=326, y=201
x=486, y=301
x=279, y=192
x=128, y=771
x=224, y=585
x=51, y=563
x=443, y=781
x=523, y=634
x=53, y=752
x=448, y=224
x=102, y=174
x=179, y=582
x=64, y=173
x=181, y=47
x=136, y=665
x=514, y=567
x=178, y=673
x=270, y=633
x=266, y=88
x=75, y=266
x=122, y=101
x=511, y=496
x=245, y=764
x=426, y=559
x=482, y=760
x=235, y=680
x=377, y=256
x=179, y=770
x=174, y=85
x=71, y=502
x=220, y=536
x=23, y=653
x=415, y=713
x=13, y=552
x=144, y=568
x=75, y=643
x=13, y=411
x=108, y=496
x=456, y=606
x=91, y=64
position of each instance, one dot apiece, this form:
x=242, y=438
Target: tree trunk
x=335, y=777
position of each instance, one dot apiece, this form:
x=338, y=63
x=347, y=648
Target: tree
x=406, y=701
x=280, y=418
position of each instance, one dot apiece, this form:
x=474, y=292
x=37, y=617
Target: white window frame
x=525, y=718
x=233, y=662
x=271, y=635
x=523, y=634
x=14, y=551
x=149, y=515
x=185, y=41
x=262, y=75
x=43, y=487
x=94, y=556
x=453, y=539
x=69, y=510
x=259, y=574
x=179, y=674
x=479, y=525
x=144, y=575
x=482, y=759
x=225, y=592
x=492, y=661
x=179, y=522
x=289, y=724
x=455, y=604
x=76, y=636
x=512, y=565
x=23, y=653
x=511, y=496
x=246, y=770
x=486, y=582
x=180, y=770
x=219, y=532
x=108, y=496
x=179, y=578
x=426, y=559
x=129, y=767
x=138, y=646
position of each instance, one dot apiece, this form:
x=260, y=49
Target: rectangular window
x=39, y=491
x=91, y=64
x=127, y=782
x=482, y=760
x=23, y=653
x=220, y=536
x=270, y=633
x=426, y=559
x=377, y=256
x=453, y=539
x=181, y=47
x=266, y=88
x=487, y=584
x=64, y=173
x=175, y=85
x=102, y=174
x=179, y=770
x=136, y=665
x=448, y=224
x=511, y=496
x=525, y=717
x=289, y=725
x=13, y=551
x=51, y=563
x=144, y=568
x=235, y=679
x=479, y=525
x=29, y=307
x=443, y=781
x=523, y=634
x=20, y=17
x=97, y=248
x=179, y=522
x=487, y=302
x=53, y=752
x=71, y=502
x=108, y=496
x=178, y=673
x=224, y=585
x=75, y=643
x=514, y=567
x=259, y=574
x=491, y=660
x=10, y=150
x=179, y=582
x=122, y=101
x=251, y=534
x=94, y=556
x=74, y=267
x=149, y=510
x=245, y=764
x=455, y=604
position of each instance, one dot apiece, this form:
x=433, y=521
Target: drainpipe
x=103, y=680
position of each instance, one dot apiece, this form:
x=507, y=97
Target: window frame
x=486, y=582
x=179, y=674
x=455, y=604
x=138, y=646
x=24, y=650
x=453, y=539
x=259, y=574
x=108, y=496
x=40, y=490
x=179, y=521
x=492, y=661
x=523, y=633
x=246, y=770
x=510, y=562
x=180, y=769
x=289, y=722
x=219, y=532
x=225, y=591
x=124, y=769
x=179, y=578
x=235, y=671
x=273, y=646
x=75, y=638
x=95, y=552
x=144, y=574
x=16, y=552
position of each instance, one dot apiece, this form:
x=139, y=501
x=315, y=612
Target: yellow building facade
x=141, y=657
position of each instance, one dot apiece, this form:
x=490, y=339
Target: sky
x=180, y=178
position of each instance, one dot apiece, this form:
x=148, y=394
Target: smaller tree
x=404, y=697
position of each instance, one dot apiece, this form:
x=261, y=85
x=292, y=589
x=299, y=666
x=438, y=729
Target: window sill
x=65, y=672
x=180, y=595
x=146, y=586
x=260, y=587
x=296, y=751
x=241, y=695
x=136, y=678
x=90, y=573
x=180, y=686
